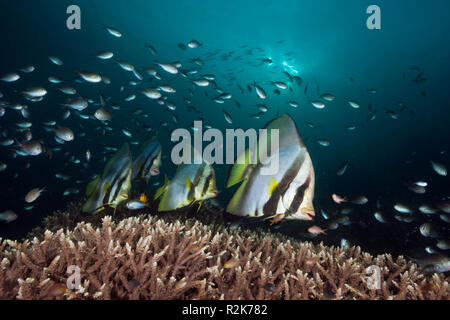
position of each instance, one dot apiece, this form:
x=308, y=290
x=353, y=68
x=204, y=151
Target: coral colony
x=180, y=257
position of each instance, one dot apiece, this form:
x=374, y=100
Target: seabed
x=185, y=256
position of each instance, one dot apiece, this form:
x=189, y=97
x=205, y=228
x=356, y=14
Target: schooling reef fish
x=148, y=162
x=114, y=186
x=191, y=183
x=289, y=190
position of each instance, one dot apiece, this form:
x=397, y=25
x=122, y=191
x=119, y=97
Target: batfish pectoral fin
x=189, y=184
x=273, y=218
x=199, y=206
x=106, y=187
x=103, y=207
x=273, y=184
x=98, y=210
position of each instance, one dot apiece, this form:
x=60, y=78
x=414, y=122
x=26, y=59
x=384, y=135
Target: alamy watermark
x=74, y=280
x=374, y=20
x=213, y=153
x=73, y=22
x=374, y=279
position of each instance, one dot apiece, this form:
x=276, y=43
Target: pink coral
x=150, y=258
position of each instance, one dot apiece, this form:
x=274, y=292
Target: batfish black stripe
x=116, y=178
x=298, y=198
x=147, y=166
x=146, y=169
x=119, y=187
x=206, y=185
x=271, y=205
x=198, y=175
x=141, y=169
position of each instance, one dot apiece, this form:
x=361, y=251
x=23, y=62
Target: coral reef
x=68, y=219
x=150, y=257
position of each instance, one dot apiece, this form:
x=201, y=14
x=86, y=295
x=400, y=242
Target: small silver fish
x=135, y=205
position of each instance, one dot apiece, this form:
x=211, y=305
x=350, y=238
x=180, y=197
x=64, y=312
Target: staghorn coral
x=152, y=258
x=209, y=213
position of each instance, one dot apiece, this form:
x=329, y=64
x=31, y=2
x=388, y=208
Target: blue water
x=326, y=42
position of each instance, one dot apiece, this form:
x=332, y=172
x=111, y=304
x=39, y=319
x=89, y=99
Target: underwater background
x=326, y=43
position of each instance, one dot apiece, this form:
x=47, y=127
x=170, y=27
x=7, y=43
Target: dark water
x=326, y=42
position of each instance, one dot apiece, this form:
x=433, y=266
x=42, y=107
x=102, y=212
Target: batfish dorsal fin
x=287, y=136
